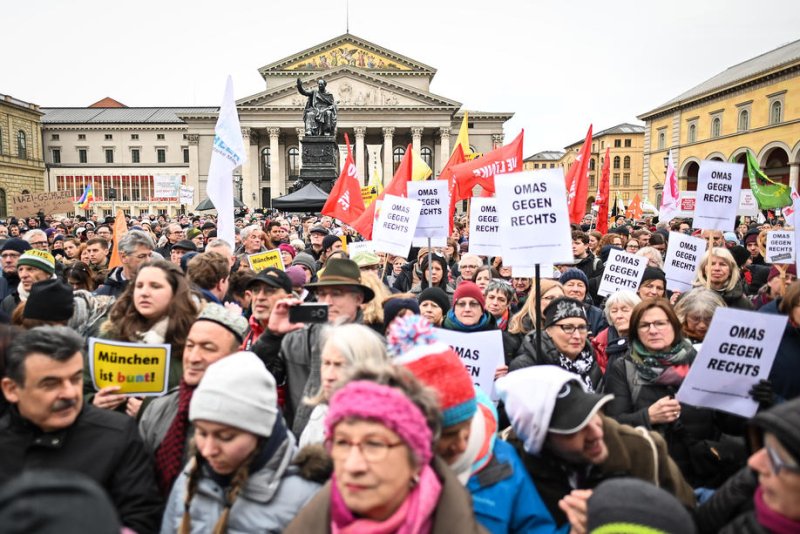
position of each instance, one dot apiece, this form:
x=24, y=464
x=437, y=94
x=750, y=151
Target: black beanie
x=437, y=296
x=783, y=421
x=392, y=307
x=653, y=273
x=49, y=300
x=328, y=241
x=740, y=255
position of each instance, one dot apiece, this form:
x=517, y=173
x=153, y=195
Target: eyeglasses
x=38, y=243
x=660, y=325
x=470, y=266
x=698, y=319
x=778, y=464
x=371, y=450
x=10, y=255
x=461, y=304
x=570, y=329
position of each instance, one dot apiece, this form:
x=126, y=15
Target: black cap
x=273, y=277
x=185, y=244
x=319, y=229
x=208, y=225
x=575, y=408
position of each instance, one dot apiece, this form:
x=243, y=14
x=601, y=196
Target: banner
x=481, y=352
x=623, y=270
x=780, y=247
x=534, y=223
x=484, y=227
x=368, y=194
x=682, y=260
x=433, y=217
x=481, y=171
x=48, y=203
x=166, y=187
x=737, y=352
x=138, y=369
x=262, y=260
x=396, y=225
x=687, y=201
x=718, y=188
x=187, y=194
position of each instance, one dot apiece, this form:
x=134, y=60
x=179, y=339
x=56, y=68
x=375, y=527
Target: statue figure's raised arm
x=300, y=88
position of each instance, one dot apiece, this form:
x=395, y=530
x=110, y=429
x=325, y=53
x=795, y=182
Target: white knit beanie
x=237, y=391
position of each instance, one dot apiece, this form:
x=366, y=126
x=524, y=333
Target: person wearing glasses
x=469, y=313
x=36, y=239
x=135, y=248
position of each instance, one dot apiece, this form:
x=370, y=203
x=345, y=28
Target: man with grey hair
x=222, y=247
x=48, y=426
x=174, y=234
x=36, y=239
x=135, y=248
x=252, y=241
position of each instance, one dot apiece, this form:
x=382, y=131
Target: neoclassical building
x=22, y=168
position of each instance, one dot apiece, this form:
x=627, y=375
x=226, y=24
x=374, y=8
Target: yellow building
x=753, y=105
x=548, y=159
x=22, y=167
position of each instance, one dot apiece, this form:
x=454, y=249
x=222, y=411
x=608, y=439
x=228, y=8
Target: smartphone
x=311, y=312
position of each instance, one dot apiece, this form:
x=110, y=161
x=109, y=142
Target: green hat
x=38, y=258
x=366, y=259
x=342, y=272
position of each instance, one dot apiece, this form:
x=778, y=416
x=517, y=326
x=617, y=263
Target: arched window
x=744, y=120
x=22, y=145
x=662, y=140
x=427, y=156
x=626, y=163
x=398, y=154
x=775, y=112
x=3, y=207
x=692, y=133
x=265, y=163
x=591, y=165
x=616, y=162
x=715, y=127
x=293, y=161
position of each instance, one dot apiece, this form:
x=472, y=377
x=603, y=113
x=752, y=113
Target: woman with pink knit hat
x=468, y=313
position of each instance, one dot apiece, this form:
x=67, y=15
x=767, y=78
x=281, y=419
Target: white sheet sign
x=434, y=217
x=355, y=247
x=718, y=187
x=534, y=222
x=737, y=352
x=396, y=224
x=623, y=270
x=481, y=352
x=484, y=227
x=780, y=247
x=682, y=260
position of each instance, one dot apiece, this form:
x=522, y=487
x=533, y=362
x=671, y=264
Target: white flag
x=226, y=154
x=670, y=199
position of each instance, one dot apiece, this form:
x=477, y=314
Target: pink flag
x=670, y=200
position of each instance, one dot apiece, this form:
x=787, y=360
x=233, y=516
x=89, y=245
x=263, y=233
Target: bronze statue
x=320, y=113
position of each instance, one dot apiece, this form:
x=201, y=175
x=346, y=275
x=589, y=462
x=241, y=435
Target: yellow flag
x=463, y=138
x=375, y=181
x=419, y=169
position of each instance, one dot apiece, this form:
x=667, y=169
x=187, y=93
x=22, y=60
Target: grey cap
x=222, y=316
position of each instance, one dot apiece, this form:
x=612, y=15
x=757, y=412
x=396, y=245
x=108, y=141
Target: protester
x=694, y=310
x=723, y=277
x=468, y=313
x=50, y=302
x=468, y=267
x=209, y=273
x=10, y=252
x=135, y=249
x=786, y=367
x=483, y=276
x=436, y=276
x=434, y=304
x=524, y=321
x=264, y=290
x=779, y=278
x=79, y=277
x=499, y=295
x=32, y=266
x=576, y=286
x=586, y=262
x=374, y=311
x=612, y=343
x=653, y=284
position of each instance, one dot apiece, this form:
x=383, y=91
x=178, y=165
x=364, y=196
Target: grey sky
x=558, y=65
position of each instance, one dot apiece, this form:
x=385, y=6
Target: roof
x=8, y=99
x=119, y=115
x=548, y=155
x=108, y=102
x=619, y=129
x=732, y=76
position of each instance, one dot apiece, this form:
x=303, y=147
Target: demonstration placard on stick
x=484, y=227
x=534, y=222
x=682, y=260
x=28, y=205
x=262, y=260
x=481, y=352
x=718, y=187
x=434, y=217
x=396, y=225
x=138, y=369
x=738, y=351
x=780, y=247
x=623, y=271
x=356, y=247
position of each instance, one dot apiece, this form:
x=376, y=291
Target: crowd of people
x=363, y=420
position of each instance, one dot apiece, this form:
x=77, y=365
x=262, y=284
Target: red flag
x=456, y=158
x=481, y=171
x=603, y=197
x=578, y=181
x=345, y=202
x=634, y=210
x=397, y=187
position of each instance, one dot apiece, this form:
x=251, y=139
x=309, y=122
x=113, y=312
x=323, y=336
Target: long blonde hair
x=517, y=324
x=725, y=254
x=373, y=310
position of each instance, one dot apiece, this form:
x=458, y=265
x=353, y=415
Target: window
x=161, y=155
x=265, y=163
x=55, y=137
x=293, y=161
x=591, y=180
x=427, y=156
x=535, y=165
x=3, y=206
x=109, y=137
x=591, y=164
x=626, y=163
x=552, y=165
x=134, y=137
x=775, y=112
x=134, y=155
x=716, y=126
x=81, y=137
x=617, y=143
x=602, y=145
x=109, y=155
x=186, y=155
x=616, y=162
x=160, y=137
x=628, y=143
x=626, y=179
x=692, y=137
x=744, y=120
x=397, y=155
x=662, y=140
x=22, y=145
x=82, y=157
x=615, y=180
x=56, y=156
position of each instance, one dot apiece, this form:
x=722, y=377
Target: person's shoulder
x=91, y=416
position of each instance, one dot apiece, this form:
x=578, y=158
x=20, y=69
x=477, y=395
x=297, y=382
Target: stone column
x=194, y=168
x=794, y=175
x=360, y=133
x=276, y=180
x=388, y=154
x=300, y=133
x=249, y=182
x=497, y=140
x=444, y=143
x=416, y=139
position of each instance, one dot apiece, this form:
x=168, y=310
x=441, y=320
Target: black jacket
x=732, y=499
x=113, y=285
x=102, y=445
x=527, y=356
x=591, y=265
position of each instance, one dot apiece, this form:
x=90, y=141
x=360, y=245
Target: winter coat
x=732, y=499
x=9, y=303
x=453, y=513
x=609, y=346
x=591, y=265
x=631, y=453
x=596, y=319
x=446, y=287
x=156, y=419
x=114, y=284
x=527, y=356
x=735, y=298
x=785, y=372
x=405, y=279
x=101, y=444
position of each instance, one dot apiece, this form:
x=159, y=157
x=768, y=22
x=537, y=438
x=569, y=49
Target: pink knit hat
x=285, y=247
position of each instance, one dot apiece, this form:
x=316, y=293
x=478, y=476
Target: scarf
x=581, y=366
x=502, y=321
x=169, y=454
x=770, y=519
x=452, y=323
x=663, y=368
x=414, y=516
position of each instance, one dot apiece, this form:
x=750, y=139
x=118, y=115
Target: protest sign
x=546, y=270
x=682, y=260
x=356, y=247
x=747, y=203
x=29, y=205
x=737, y=352
x=396, y=225
x=623, y=271
x=434, y=217
x=368, y=194
x=138, y=369
x=484, y=227
x=481, y=352
x=534, y=221
x=187, y=194
x=165, y=187
x=780, y=247
x=262, y=260
x=718, y=188
x=686, y=203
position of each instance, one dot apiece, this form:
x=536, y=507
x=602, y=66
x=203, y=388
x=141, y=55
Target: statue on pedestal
x=320, y=113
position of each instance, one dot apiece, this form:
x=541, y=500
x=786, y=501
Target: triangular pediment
x=352, y=88
x=347, y=50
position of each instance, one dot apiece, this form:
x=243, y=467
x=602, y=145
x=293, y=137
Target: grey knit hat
x=227, y=319
x=306, y=260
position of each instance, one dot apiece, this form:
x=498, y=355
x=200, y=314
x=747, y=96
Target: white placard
x=534, y=222
x=481, y=352
x=780, y=247
x=747, y=204
x=545, y=271
x=737, y=352
x=718, y=188
x=396, y=225
x=682, y=260
x=484, y=227
x=187, y=194
x=354, y=247
x=165, y=187
x=434, y=217
x=622, y=271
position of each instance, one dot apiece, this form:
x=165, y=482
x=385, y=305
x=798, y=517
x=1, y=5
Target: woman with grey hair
x=653, y=256
x=719, y=272
x=612, y=342
x=695, y=309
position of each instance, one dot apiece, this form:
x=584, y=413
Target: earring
x=414, y=480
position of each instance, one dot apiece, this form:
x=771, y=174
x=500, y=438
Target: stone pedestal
x=320, y=159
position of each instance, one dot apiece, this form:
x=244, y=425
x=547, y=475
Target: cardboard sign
x=622, y=271
x=262, y=260
x=396, y=225
x=368, y=195
x=737, y=352
x=718, y=188
x=137, y=368
x=434, y=217
x=534, y=222
x=484, y=227
x=360, y=246
x=780, y=247
x=187, y=194
x=48, y=203
x=682, y=260
x=165, y=187
x=481, y=352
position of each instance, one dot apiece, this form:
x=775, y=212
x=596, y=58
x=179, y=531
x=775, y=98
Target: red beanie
x=469, y=289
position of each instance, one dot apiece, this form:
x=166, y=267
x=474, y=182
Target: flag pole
x=538, y=295
x=430, y=264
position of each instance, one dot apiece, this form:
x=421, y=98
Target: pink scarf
x=415, y=515
x=772, y=520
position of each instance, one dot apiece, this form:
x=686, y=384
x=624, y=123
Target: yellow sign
x=368, y=194
x=262, y=260
x=343, y=239
x=138, y=369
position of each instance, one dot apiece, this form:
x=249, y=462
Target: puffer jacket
x=527, y=356
x=732, y=499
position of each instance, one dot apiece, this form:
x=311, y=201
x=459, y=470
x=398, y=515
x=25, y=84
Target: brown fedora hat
x=342, y=272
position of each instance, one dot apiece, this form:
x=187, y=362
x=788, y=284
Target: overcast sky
x=558, y=65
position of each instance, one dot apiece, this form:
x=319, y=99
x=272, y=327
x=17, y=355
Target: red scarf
x=772, y=520
x=169, y=454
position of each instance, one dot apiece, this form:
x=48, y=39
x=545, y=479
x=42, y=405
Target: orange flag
x=634, y=210
x=120, y=229
x=344, y=201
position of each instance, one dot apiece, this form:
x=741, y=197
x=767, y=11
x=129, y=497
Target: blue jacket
x=504, y=498
x=786, y=368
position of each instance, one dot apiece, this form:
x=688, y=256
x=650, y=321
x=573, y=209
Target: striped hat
x=38, y=258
